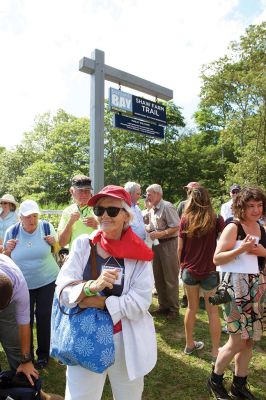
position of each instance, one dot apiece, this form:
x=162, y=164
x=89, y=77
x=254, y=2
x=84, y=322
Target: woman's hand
x=50, y=239
x=248, y=244
x=258, y=250
x=93, y=301
x=10, y=245
x=105, y=280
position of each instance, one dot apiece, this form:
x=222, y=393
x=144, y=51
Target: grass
x=176, y=375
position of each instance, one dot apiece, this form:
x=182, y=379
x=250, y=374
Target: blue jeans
x=207, y=284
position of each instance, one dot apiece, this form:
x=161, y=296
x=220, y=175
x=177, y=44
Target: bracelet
x=25, y=358
x=87, y=291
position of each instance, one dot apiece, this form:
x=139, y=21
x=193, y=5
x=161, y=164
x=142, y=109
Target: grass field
x=176, y=375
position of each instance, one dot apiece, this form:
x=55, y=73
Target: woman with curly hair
x=198, y=231
x=245, y=313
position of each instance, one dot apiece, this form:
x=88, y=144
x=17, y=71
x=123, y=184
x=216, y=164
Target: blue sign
x=136, y=125
x=143, y=108
x=120, y=101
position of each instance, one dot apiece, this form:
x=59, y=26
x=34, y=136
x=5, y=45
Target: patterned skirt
x=246, y=313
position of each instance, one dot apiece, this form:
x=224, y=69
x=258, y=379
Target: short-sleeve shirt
x=20, y=294
x=10, y=219
x=198, y=251
x=163, y=216
x=78, y=228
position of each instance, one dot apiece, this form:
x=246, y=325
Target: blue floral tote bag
x=82, y=336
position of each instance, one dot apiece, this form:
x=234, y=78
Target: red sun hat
x=117, y=192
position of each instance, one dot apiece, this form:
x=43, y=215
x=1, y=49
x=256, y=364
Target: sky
x=164, y=41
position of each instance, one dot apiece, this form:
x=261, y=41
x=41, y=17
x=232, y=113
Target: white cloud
x=166, y=42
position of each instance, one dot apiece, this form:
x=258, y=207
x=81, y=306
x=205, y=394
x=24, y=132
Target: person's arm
x=26, y=367
x=224, y=252
x=65, y=227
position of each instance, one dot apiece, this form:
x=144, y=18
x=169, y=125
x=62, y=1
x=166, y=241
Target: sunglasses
x=4, y=202
x=111, y=211
x=235, y=191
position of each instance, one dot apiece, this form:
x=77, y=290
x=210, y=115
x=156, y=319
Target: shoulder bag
x=82, y=336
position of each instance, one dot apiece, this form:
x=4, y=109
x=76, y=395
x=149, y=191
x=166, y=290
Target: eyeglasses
x=111, y=211
x=4, y=202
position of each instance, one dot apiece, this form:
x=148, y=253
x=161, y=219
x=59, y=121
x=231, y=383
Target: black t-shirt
x=109, y=262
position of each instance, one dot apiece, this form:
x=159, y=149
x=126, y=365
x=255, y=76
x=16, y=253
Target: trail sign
x=137, y=125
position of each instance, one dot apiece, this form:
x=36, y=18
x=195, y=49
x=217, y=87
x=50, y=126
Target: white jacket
x=131, y=307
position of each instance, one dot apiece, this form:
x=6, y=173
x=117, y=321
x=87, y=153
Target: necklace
x=29, y=244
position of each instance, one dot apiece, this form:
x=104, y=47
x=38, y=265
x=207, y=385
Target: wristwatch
x=25, y=358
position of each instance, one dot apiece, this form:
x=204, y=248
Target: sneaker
x=184, y=302
x=217, y=390
x=198, y=346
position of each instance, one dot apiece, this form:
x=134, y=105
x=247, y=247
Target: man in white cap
x=226, y=209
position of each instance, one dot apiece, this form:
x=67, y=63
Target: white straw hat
x=9, y=199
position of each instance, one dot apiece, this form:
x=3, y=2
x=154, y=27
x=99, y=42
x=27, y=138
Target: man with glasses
x=78, y=217
x=15, y=318
x=226, y=209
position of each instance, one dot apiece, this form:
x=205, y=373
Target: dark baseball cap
x=81, y=182
x=235, y=187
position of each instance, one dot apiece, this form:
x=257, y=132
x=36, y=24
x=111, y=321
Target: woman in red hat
x=125, y=282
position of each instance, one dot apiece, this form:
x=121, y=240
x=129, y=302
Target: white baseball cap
x=28, y=207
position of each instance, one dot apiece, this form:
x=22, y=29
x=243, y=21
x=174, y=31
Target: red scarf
x=129, y=246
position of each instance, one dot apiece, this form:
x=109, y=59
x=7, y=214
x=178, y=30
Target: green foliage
x=233, y=105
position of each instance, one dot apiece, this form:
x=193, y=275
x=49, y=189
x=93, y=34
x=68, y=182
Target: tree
x=233, y=106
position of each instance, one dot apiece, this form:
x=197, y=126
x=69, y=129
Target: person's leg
x=233, y=346
x=44, y=301
x=82, y=384
x=214, y=323
x=9, y=336
x=122, y=387
x=190, y=315
x=170, y=269
x=243, y=358
x=159, y=279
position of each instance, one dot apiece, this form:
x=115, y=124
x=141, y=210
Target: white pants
x=82, y=384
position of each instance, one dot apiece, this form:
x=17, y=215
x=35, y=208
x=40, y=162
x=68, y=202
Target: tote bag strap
x=94, y=274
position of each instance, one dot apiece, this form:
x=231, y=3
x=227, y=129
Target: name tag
x=119, y=270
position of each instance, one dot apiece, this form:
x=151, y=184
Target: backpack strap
x=46, y=227
x=15, y=230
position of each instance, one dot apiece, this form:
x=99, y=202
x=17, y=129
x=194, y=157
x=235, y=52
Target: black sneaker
x=217, y=390
x=241, y=392
x=184, y=302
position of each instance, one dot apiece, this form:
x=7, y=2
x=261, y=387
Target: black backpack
x=17, y=387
